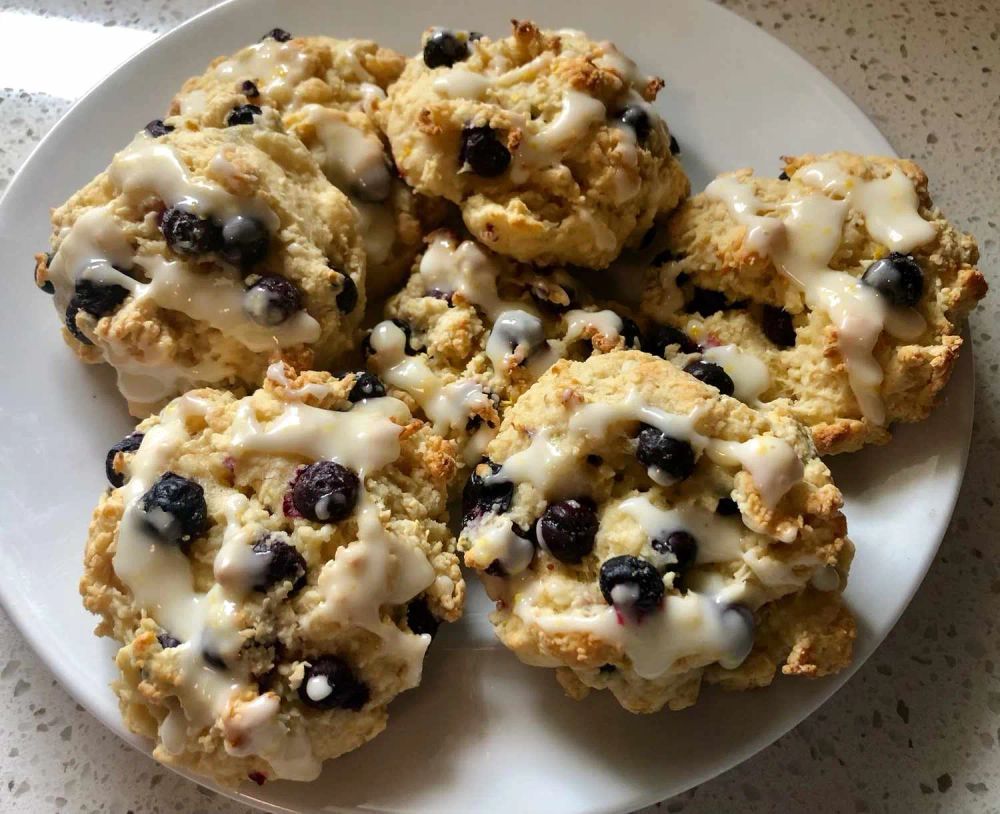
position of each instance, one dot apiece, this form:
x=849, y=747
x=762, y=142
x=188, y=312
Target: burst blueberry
x=175, y=507
x=157, y=128
x=442, y=49
x=674, y=457
x=897, y=277
x=711, y=374
x=483, y=494
x=98, y=299
x=679, y=550
x=284, y=563
x=242, y=114
x=249, y=89
x=328, y=682
x=325, y=492
x=567, y=530
x=483, y=152
x=130, y=443
x=188, y=235
x=631, y=584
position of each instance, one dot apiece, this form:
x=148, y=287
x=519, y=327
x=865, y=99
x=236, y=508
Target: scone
x=836, y=291
x=326, y=92
x=199, y=255
x=641, y=533
x=546, y=140
x=472, y=330
x=274, y=568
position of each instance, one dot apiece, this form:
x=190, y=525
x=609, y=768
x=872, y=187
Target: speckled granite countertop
x=918, y=728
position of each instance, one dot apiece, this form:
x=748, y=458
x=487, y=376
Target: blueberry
x=631, y=334
x=272, y=300
x=249, y=89
x=675, y=148
x=404, y=326
x=167, y=641
x=130, y=443
x=482, y=495
x=727, y=507
x=188, y=235
x=642, y=583
x=278, y=34
x=420, y=619
x=285, y=563
x=673, y=456
x=661, y=337
x=366, y=386
x=607, y=669
x=897, y=277
x=244, y=241
x=71, y=311
x=175, y=507
x=783, y=176
x=443, y=49
x=213, y=658
x=98, y=299
x=567, y=530
x=680, y=545
x=325, y=492
x=44, y=261
x=706, y=302
x=637, y=118
x=329, y=683
x=483, y=151
x=242, y=114
x=712, y=374
x=777, y=326
x=347, y=297
x=158, y=127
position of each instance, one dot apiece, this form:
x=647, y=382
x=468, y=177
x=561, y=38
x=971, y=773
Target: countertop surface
x=918, y=728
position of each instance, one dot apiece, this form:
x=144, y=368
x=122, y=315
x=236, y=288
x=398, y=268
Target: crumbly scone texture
x=451, y=317
x=326, y=92
x=707, y=250
x=578, y=188
x=553, y=613
x=161, y=350
x=284, y=627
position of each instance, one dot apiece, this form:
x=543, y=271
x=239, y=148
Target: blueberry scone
x=640, y=532
x=836, y=290
x=201, y=254
x=472, y=330
x=274, y=568
x=325, y=91
x=547, y=141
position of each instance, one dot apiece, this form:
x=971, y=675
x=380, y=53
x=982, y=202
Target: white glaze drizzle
x=606, y=323
x=772, y=463
x=461, y=83
x=719, y=538
x=518, y=338
x=276, y=67
x=748, y=371
x=352, y=159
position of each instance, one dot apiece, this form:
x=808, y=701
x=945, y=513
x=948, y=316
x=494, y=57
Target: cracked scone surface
x=641, y=533
x=546, y=140
x=472, y=330
x=199, y=255
x=325, y=91
x=783, y=285
x=268, y=605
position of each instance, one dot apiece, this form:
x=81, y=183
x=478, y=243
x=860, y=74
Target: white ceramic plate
x=483, y=732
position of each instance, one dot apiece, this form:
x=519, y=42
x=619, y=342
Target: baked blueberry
x=679, y=550
x=482, y=494
x=167, y=641
x=98, y=299
x=325, y=492
x=420, y=619
x=242, y=114
x=249, y=89
x=71, y=311
x=188, y=235
x=672, y=456
x=347, y=297
x=213, y=658
x=44, y=261
x=284, y=563
x=661, y=337
x=272, y=300
x=638, y=119
x=783, y=176
x=727, y=507
x=706, y=302
x=278, y=34
x=329, y=683
x=157, y=128
x=443, y=49
x=631, y=583
x=711, y=374
x=777, y=326
x=631, y=334
x=607, y=669
x=175, y=507
x=244, y=241
x=366, y=386
x=567, y=530
x=130, y=443
x=675, y=148
x=483, y=152
x=897, y=277
x=404, y=326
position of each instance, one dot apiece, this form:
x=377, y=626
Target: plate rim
x=750, y=746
